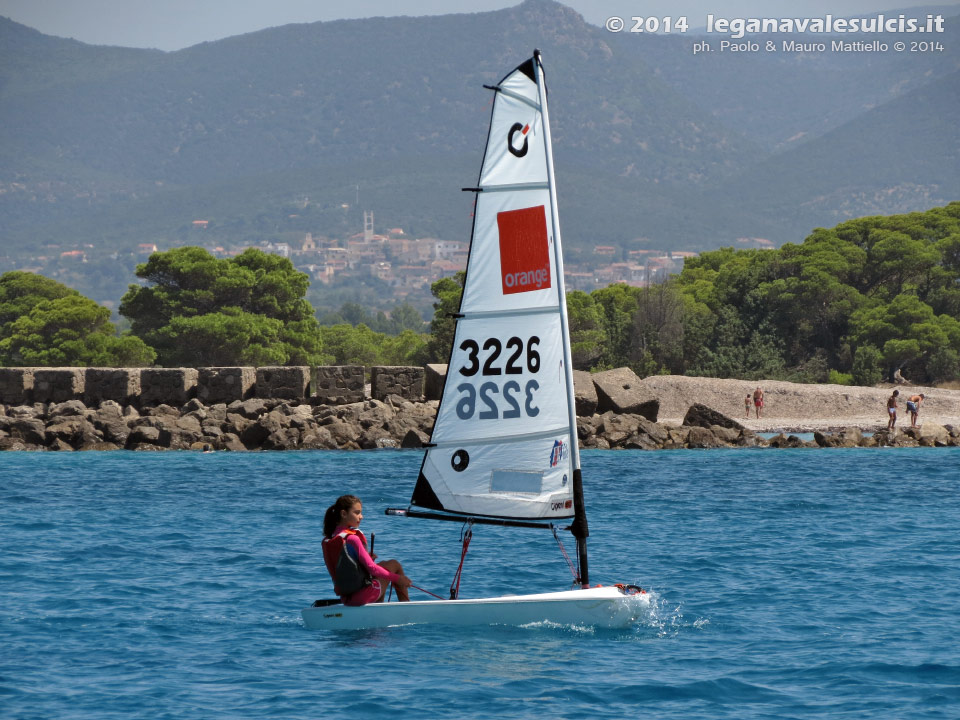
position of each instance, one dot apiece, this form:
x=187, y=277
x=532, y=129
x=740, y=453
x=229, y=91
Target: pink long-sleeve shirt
x=371, y=593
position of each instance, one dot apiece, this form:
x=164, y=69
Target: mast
x=579, y=526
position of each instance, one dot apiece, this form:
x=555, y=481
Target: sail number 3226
x=490, y=360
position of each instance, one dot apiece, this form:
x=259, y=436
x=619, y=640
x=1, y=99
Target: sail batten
x=513, y=186
x=517, y=96
x=489, y=314
x=501, y=440
x=504, y=440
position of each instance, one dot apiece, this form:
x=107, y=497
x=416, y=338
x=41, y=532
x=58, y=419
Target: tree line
x=850, y=305
x=192, y=309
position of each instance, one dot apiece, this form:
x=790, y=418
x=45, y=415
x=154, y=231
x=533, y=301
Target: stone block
x=170, y=386
x=700, y=437
x=699, y=415
x=403, y=380
x=584, y=392
x=283, y=382
x=56, y=385
x=121, y=385
x=434, y=376
x=338, y=384
x=622, y=391
x=932, y=434
x=16, y=385
x=225, y=384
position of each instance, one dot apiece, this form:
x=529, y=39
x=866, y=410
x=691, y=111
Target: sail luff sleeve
x=558, y=262
x=579, y=528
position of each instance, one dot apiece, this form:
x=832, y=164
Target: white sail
x=504, y=442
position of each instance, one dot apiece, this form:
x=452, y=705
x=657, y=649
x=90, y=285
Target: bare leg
x=396, y=568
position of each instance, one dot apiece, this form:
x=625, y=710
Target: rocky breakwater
x=254, y=424
x=927, y=435
x=272, y=424
x=615, y=409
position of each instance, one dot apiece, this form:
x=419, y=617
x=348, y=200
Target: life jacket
x=348, y=573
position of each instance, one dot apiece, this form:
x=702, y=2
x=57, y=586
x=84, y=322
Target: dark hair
x=332, y=517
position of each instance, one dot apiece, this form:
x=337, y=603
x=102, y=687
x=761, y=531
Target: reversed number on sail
x=494, y=358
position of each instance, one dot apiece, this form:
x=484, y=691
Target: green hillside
x=244, y=125
x=299, y=128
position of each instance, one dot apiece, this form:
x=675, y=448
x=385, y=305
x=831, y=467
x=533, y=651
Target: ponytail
x=331, y=519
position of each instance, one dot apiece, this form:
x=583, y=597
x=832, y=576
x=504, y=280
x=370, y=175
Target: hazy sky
x=175, y=24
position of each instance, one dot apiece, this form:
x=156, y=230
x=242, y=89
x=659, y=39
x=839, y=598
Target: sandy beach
x=795, y=407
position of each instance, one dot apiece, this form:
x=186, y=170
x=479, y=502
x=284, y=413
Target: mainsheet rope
x=455, y=585
x=574, y=570
x=467, y=535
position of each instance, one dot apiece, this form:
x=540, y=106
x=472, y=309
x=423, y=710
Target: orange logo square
x=524, y=250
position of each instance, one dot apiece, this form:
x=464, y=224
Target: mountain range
x=299, y=128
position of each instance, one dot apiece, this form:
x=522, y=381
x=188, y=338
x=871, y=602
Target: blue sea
x=783, y=583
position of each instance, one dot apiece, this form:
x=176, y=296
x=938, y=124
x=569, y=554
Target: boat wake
x=659, y=617
x=569, y=627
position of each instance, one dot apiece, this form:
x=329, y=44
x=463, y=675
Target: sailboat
x=504, y=445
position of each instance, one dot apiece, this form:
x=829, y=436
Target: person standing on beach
x=758, y=401
x=892, y=410
x=746, y=406
x=913, y=406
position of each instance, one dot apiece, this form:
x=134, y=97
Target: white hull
x=604, y=607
